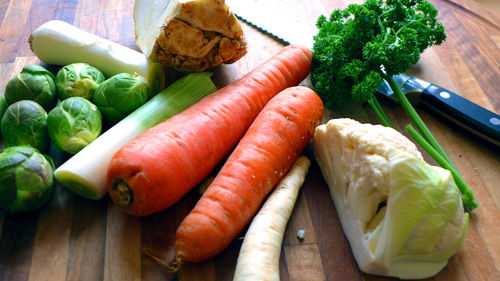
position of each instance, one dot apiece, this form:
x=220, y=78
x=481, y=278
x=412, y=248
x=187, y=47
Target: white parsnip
x=260, y=252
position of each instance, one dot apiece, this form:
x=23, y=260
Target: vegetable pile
x=402, y=217
x=76, y=121
x=358, y=47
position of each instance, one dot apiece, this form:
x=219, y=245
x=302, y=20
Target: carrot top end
x=122, y=193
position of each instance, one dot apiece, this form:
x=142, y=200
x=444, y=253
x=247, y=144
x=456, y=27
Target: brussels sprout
x=3, y=106
x=120, y=95
x=33, y=83
x=73, y=124
x=78, y=80
x=25, y=123
x=26, y=179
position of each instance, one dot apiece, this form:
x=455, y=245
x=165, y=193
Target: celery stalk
x=85, y=172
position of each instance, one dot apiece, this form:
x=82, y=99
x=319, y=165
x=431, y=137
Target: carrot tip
x=173, y=266
x=122, y=193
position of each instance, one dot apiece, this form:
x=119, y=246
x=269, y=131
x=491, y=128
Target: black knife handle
x=465, y=113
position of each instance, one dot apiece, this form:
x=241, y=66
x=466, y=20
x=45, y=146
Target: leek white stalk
x=85, y=172
x=260, y=252
x=60, y=43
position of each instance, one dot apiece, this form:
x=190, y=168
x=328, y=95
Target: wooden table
x=72, y=238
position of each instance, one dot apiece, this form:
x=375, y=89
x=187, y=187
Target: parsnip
x=60, y=43
x=260, y=252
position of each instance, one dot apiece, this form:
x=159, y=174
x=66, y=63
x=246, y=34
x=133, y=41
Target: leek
x=60, y=43
x=85, y=172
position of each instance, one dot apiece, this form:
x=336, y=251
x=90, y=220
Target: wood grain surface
x=72, y=238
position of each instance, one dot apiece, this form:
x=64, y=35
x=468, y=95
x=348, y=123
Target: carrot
x=263, y=156
x=155, y=170
x=260, y=252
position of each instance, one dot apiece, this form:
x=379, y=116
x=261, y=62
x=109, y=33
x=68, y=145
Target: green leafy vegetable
x=26, y=179
x=78, y=80
x=3, y=106
x=359, y=47
x=120, y=95
x=25, y=123
x=73, y=124
x=33, y=83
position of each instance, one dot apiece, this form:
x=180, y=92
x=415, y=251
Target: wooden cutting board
x=72, y=238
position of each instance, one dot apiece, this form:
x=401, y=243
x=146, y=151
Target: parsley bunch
x=359, y=47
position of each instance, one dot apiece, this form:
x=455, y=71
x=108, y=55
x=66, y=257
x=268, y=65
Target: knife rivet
x=495, y=121
x=445, y=95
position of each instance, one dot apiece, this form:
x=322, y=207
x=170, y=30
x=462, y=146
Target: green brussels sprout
x=3, y=106
x=120, y=95
x=25, y=123
x=26, y=179
x=78, y=80
x=73, y=124
x=33, y=83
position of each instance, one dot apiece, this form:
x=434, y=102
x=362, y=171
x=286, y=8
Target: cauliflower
x=402, y=217
x=189, y=35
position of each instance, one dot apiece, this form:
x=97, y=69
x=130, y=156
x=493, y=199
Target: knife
x=467, y=115
x=464, y=113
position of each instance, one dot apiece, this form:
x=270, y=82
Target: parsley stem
x=415, y=118
x=467, y=195
x=430, y=144
x=382, y=117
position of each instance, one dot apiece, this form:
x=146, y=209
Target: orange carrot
x=263, y=156
x=154, y=171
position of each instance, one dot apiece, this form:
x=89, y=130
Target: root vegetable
x=261, y=159
x=260, y=252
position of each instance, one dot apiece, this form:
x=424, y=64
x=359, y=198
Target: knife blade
x=276, y=18
x=467, y=115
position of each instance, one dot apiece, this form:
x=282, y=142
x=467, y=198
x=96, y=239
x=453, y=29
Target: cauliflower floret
x=189, y=35
x=402, y=217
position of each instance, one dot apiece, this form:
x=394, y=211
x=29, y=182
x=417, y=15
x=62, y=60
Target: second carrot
x=263, y=156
